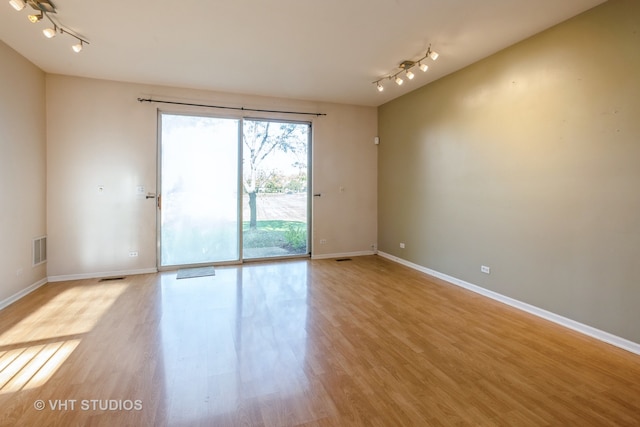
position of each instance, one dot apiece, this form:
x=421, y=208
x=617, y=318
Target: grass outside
x=288, y=235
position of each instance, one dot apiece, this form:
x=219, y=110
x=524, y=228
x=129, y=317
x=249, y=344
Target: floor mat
x=187, y=273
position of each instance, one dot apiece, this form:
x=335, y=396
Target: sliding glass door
x=199, y=208
x=214, y=208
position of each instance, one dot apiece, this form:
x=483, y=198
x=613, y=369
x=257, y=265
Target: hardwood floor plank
x=307, y=342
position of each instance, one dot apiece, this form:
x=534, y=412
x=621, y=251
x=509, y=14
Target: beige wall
x=99, y=134
x=527, y=162
x=22, y=171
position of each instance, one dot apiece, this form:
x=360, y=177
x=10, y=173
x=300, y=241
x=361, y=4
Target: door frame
x=240, y=186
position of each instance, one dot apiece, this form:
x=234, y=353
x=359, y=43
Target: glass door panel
x=199, y=207
x=276, y=191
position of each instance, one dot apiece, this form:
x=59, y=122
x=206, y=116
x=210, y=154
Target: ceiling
x=323, y=50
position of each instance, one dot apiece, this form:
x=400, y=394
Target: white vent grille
x=39, y=250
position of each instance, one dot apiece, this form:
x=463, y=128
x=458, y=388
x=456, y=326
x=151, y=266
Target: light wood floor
x=314, y=343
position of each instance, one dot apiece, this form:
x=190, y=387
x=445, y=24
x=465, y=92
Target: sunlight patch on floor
x=75, y=311
x=30, y=367
x=32, y=350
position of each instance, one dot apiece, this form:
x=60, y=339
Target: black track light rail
x=63, y=30
x=190, y=104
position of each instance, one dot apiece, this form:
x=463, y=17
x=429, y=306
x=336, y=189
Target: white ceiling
x=323, y=50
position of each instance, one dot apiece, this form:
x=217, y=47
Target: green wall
x=528, y=162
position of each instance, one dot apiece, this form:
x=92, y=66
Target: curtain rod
x=228, y=108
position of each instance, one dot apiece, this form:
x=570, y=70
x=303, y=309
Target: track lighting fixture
x=405, y=66
x=46, y=7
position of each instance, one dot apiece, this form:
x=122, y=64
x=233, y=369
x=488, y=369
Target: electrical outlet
x=485, y=269
x=401, y=245
x=323, y=241
x=133, y=254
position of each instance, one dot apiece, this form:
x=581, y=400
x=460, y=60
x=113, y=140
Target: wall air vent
x=39, y=250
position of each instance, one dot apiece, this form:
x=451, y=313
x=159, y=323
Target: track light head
x=49, y=32
x=17, y=4
x=77, y=47
x=399, y=81
x=35, y=18
x=410, y=75
x=433, y=54
x=423, y=67
x=380, y=87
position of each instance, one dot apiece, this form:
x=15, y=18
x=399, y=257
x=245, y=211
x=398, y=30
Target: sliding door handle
x=153, y=196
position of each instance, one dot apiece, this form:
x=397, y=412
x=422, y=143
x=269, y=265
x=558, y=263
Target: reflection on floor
x=226, y=343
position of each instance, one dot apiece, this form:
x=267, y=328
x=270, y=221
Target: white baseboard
x=100, y=275
x=342, y=255
x=26, y=291
x=536, y=311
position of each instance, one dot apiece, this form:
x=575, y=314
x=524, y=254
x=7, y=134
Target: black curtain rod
x=228, y=108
